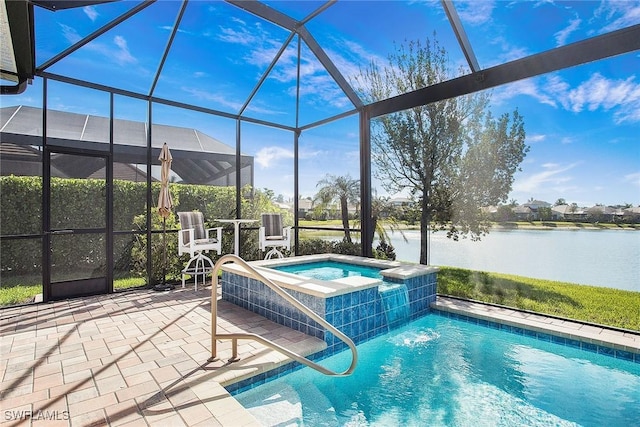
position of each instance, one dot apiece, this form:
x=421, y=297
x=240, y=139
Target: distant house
x=489, y=212
x=631, y=214
x=569, y=213
x=304, y=206
x=534, y=206
x=524, y=213
x=399, y=202
x=603, y=213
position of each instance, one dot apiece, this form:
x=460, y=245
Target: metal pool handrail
x=300, y=306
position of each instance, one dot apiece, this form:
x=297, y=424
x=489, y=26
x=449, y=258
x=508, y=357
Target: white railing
x=248, y=336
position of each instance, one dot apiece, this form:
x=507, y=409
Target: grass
x=605, y=306
x=566, y=224
x=18, y=294
x=129, y=282
x=24, y=289
x=541, y=225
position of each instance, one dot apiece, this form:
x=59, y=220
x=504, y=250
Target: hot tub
x=360, y=306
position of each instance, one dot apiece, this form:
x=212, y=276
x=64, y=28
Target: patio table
x=236, y=231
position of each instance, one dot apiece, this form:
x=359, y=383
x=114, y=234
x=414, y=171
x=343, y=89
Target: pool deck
x=140, y=358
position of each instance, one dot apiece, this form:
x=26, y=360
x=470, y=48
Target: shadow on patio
x=139, y=357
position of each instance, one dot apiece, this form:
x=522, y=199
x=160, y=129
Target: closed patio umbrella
x=165, y=204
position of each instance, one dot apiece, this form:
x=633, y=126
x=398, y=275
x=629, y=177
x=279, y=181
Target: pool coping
x=394, y=270
x=588, y=336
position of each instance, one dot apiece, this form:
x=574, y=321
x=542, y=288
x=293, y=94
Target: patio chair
x=273, y=235
x=194, y=239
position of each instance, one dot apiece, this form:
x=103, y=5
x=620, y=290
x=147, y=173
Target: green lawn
x=23, y=290
x=541, y=225
x=604, y=306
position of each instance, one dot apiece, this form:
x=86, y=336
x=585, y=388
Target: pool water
x=330, y=270
x=441, y=371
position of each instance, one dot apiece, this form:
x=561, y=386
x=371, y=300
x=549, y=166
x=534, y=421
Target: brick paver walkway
x=130, y=359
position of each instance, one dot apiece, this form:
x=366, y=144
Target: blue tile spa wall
x=360, y=314
x=422, y=293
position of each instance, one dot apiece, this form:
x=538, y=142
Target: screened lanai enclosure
x=259, y=102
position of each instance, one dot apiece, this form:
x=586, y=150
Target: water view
x=607, y=258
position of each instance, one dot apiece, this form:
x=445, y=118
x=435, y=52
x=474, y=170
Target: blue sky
x=582, y=124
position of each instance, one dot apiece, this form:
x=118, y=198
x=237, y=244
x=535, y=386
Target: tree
x=505, y=213
x=560, y=202
x=453, y=155
x=343, y=189
x=270, y=194
x=381, y=208
x=545, y=213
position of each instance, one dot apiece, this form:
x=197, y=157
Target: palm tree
x=381, y=208
x=339, y=188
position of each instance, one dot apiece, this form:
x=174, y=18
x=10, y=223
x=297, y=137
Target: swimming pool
x=442, y=371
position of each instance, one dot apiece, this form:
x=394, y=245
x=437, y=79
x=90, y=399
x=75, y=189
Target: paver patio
x=129, y=359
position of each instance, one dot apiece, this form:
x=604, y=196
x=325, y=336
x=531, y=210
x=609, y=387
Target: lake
x=607, y=258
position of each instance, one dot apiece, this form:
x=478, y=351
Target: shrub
x=319, y=246
x=385, y=250
x=314, y=246
x=139, y=249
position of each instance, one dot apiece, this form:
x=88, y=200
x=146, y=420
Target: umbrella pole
x=164, y=286
x=164, y=252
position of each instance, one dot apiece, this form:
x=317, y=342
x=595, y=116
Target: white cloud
x=122, y=54
x=118, y=51
x=597, y=93
x=618, y=14
x=240, y=36
x=224, y=100
x=266, y=156
x=521, y=87
x=552, y=175
x=562, y=35
x=70, y=34
x=170, y=28
x=475, y=12
x=555, y=87
x=633, y=178
x=504, y=51
x=532, y=139
x=91, y=12
x=601, y=93
x=317, y=85
x=221, y=99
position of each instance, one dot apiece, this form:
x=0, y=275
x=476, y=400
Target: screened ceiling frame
x=589, y=50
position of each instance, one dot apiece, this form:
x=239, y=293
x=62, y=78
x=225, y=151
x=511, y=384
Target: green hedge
x=79, y=203
x=20, y=205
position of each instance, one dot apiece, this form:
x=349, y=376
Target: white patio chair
x=194, y=239
x=273, y=235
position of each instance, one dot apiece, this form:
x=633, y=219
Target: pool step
x=280, y=404
x=274, y=403
x=318, y=409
